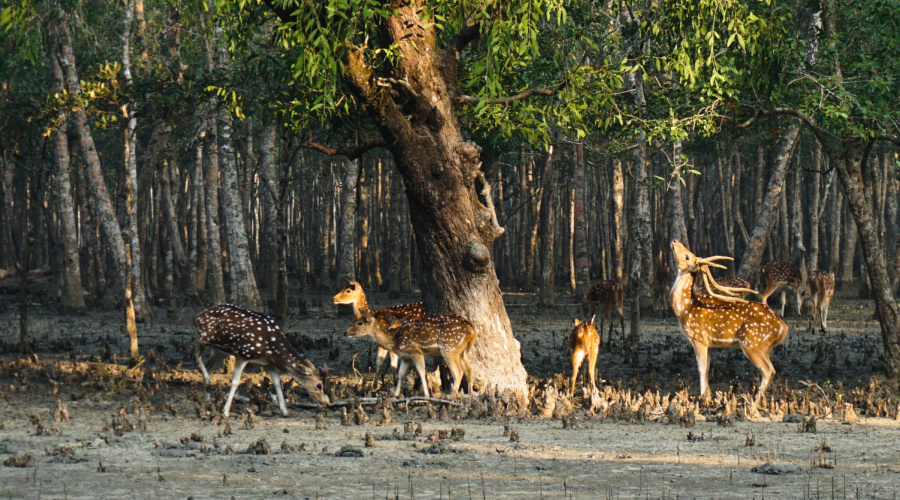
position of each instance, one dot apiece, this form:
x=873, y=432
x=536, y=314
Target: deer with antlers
x=446, y=335
x=606, y=296
x=252, y=338
x=355, y=296
x=821, y=289
x=584, y=341
x=722, y=319
x=783, y=276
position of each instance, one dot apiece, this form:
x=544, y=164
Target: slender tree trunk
x=270, y=190
x=849, y=170
x=582, y=259
x=115, y=243
x=677, y=227
x=798, y=249
x=618, y=195
x=765, y=218
x=641, y=239
x=216, y=293
x=347, y=250
x=547, y=295
x=396, y=233
x=848, y=247
x=72, y=295
x=244, y=291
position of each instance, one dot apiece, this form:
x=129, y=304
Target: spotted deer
x=605, y=295
x=355, y=296
x=446, y=335
x=781, y=276
x=721, y=319
x=732, y=282
x=821, y=290
x=252, y=338
x=584, y=341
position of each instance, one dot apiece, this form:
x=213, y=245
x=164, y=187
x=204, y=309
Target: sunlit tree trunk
x=348, y=237
x=72, y=297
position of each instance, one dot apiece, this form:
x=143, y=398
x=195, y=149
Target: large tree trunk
x=677, y=227
x=848, y=249
x=450, y=204
x=849, y=170
x=216, y=291
x=765, y=219
x=72, y=297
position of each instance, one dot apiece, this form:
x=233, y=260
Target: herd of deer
x=711, y=313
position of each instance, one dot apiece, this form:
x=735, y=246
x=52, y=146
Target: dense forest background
x=184, y=153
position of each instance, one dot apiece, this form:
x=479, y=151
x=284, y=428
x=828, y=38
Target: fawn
x=604, y=295
x=781, y=275
x=355, y=296
x=721, y=319
x=821, y=288
x=252, y=338
x=584, y=340
x=446, y=335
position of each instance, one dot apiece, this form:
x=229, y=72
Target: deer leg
x=467, y=371
x=761, y=360
x=702, y=353
x=198, y=355
x=783, y=299
x=235, y=382
x=592, y=366
x=404, y=366
x=764, y=298
x=275, y=375
x=799, y=302
x=455, y=371
x=379, y=361
x=419, y=361
x=824, y=314
x=577, y=358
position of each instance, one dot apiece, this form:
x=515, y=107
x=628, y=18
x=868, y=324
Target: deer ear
x=325, y=371
x=591, y=322
x=576, y=321
x=370, y=318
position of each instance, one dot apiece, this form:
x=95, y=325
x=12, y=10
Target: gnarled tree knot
x=478, y=257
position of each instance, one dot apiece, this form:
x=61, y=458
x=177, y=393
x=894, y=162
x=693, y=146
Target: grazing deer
x=722, y=319
x=821, y=288
x=732, y=282
x=229, y=330
x=584, y=340
x=781, y=275
x=603, y=295
x=355, y=296
x=446, y=335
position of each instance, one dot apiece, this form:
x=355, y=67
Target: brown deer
x=355, y=296
x=821, y=289
x=252, y=338
x=781, y=276
x=446, y=335
x=605, y=295
x=584, y=341
x=722, y=319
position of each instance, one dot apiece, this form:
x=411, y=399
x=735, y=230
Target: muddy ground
x=82, y=424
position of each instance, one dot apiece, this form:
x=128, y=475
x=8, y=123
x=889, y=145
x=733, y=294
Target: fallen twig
x=373, y=401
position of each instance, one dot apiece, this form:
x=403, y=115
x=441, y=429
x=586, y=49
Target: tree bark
x=849, y=170
x=677, y=227
x=449, y=201
x=765, y=219
x=347, y=250
x=244, y=291
x=814, y=200
x=547, y=294
x=109, y=224
x=582, y=259
x=618, y=196
x=72, y=297
x=641, y=239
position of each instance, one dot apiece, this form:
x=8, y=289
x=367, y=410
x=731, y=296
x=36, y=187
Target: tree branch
x=892, y=138
x=465, y=36
x=351, y=153
x=466, y=99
